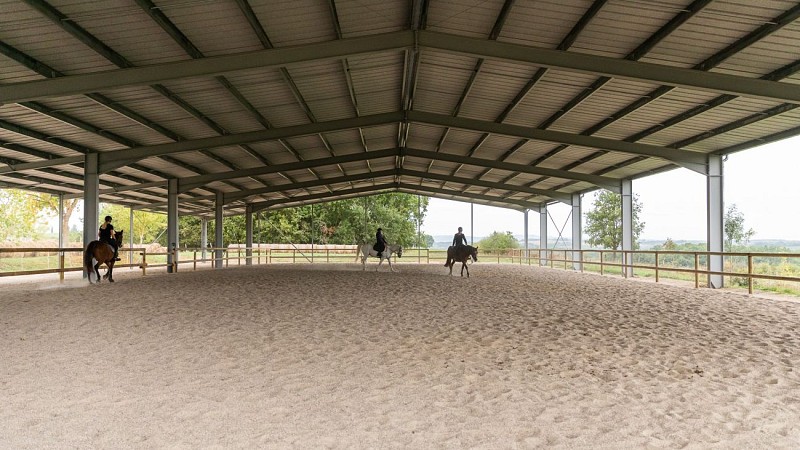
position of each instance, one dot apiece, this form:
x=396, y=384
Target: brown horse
x=461, y=254
x=103, y=253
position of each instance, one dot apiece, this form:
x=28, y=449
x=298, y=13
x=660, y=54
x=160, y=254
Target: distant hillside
x=444, y=241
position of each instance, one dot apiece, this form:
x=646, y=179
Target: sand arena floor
x=328, y=356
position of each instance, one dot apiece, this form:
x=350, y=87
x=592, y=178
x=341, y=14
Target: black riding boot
x=116, y=253
x=380, y=254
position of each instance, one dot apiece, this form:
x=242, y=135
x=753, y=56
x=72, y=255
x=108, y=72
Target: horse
x=103, y=253
x=367, y=251
x=461, y=254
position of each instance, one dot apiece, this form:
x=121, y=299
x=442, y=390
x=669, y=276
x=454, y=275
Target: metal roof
x=279, y=103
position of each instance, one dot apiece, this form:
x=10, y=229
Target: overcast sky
x=763, y=183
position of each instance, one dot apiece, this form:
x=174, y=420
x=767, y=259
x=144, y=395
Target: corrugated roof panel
x=464, y=17
x=357, y=18
x=543, y=23
x=441, y=80
x=38, y=37
x=603, y=103
x=377, y=81
x=531, y=151
x=13, y=72
x=309, y=147
x=36, y=144
x=124, y=27
x=50, y=128
x=495, y=146
x=215, y=28
x=345, y=142
x=622, y=25
x=550, y=94
x=294, y=22
x=494, y=89
x=718, y=25
x=100, y=116
x=380, y=137
x=750, y=132
x=459, y=142
x=323, y=86
x=214, y=101
x=765, y=56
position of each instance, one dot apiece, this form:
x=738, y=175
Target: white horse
x=367, y=251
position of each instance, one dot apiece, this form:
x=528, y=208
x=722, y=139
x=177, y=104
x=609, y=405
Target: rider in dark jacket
x=107, y=235
x=459, y=239
x=380, y=244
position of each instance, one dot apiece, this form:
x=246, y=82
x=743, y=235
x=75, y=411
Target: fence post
x=238, y=256
x=144, y=262
x=602, y=266
x=174, y=259
x=696, y=268
x=327, y=255
x=61, y=267
x=227, y=257
x=269, y=256
x=750, y=274
x=580, y=253
x=656, y=267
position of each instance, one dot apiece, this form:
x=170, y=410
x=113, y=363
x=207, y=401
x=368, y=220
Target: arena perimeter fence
x=777, y=272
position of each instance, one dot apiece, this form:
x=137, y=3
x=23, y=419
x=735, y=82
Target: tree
x=18, y=214
x=604, y=221
x=734, y=229
x=499, y=241
x=148, y=227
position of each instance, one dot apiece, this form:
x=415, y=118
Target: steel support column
x=627, y=226
x=60, y=220
x=219, y=204
x=472, y=224
x=130, y=237
x=172, y=225
x=577, y=230
x=248, y=225
x=715, y=212
x=525, y=233
x=543, y=235
x=204, y=237
x=91, y=200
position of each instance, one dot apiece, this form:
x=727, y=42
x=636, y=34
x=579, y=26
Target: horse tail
x=87, y=259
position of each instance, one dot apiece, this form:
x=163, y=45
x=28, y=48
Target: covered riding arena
x=330, y=356
x=212, y=108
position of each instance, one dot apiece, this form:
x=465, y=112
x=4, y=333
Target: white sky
x=759, y=181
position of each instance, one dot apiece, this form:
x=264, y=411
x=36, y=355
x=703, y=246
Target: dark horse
x=461, y=254
x=103, y=253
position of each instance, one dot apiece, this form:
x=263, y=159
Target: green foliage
x=734, y=229
x=18, y=216
x=350, y=221
x=604, y=221
x=499, y=241
x=148, y=227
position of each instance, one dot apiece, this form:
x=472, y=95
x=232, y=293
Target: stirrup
x=380, y=254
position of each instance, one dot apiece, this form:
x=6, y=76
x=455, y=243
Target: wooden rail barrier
x=639, y=262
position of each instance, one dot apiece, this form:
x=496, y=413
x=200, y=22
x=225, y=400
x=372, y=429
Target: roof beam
x=473, y=182
x=115, y=159
x=400, y=187
x=187, y=184
x=691, y=160
x=194, y=182
x=211, y=66
x=112, y=160
x=609, y=183
x=324, y=196
x=481, y=48
x=614, y=67
x=444, y=193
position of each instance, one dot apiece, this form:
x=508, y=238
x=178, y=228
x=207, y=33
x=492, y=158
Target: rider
x=459, y=240
x=108, y=236
x=381, y=244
